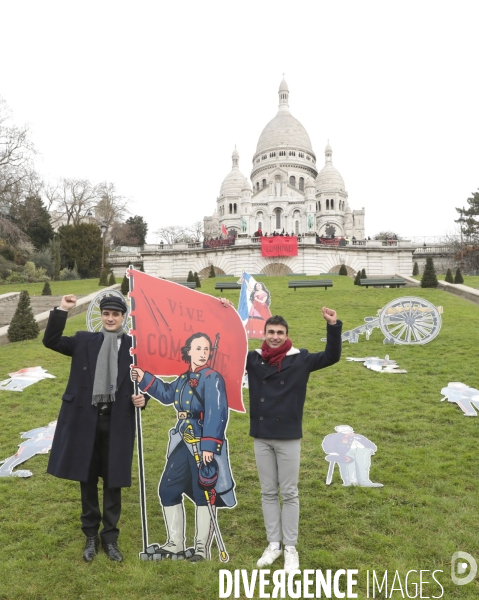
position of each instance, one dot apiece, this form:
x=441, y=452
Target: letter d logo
x=460, y=567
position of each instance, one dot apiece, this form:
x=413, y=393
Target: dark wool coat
x=72, y=446
x=277, y=398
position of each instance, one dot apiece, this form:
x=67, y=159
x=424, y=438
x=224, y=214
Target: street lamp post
x=462, y=220
x=103, y=228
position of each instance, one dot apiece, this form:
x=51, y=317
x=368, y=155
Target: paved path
x=39, y=304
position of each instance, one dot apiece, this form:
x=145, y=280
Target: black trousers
x=91, y=516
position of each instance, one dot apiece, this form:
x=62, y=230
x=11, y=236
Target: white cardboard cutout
x=465, y=397
x=404, y=321
x=380, y=365
x=23, y=378
x=352, y=453
x=39, y=441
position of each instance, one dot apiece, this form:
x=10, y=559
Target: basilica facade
x=287, y=193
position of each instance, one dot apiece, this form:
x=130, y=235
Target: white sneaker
x=291, y=560
x=269, y=556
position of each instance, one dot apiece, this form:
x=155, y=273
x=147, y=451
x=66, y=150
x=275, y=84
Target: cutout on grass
x=404, y=321
x=381, y=365
x=465, y=397
x=352, y=453
x=23, y=378
x=39, y=441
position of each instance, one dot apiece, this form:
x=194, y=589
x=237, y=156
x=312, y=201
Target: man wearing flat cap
x=95, y=432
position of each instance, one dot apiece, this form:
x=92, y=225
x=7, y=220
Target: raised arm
x=53, y=338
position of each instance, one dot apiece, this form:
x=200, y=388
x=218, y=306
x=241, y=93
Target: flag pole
x=139, y=436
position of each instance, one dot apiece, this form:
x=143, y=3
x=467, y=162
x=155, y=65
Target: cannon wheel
x=409, y=320
x=93, y=316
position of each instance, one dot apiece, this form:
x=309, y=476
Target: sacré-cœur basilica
x=288, y=194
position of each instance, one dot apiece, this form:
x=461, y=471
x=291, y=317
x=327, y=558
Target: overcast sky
x=154, y=95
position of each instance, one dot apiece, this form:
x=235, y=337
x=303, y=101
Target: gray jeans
x=278, y=468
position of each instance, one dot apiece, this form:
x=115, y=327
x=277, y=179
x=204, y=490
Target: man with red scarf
x=278, y=375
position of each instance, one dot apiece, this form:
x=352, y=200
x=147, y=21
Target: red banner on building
x=165, y=315
x=279, y=245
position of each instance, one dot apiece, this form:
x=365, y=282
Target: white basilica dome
x=235, y=181
x=329, y=179
x=284, y=130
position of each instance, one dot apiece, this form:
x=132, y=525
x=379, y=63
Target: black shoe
x=196, y=558
x=91, y=548
x=113, y=552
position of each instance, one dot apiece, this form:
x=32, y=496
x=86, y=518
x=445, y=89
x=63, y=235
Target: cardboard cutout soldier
x=352, y=452
x=197, y=461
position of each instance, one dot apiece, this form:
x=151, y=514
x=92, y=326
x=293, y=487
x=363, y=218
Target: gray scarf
x=106, y=372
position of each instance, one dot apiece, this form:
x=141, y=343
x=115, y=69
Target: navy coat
x=72, y=446
x=277, y=397
x=207, y=420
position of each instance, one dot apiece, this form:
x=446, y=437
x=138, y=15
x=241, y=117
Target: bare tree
x=111, y=207
x=75, y=199
x=172, y=234
x=196, y=231
x=16, y=155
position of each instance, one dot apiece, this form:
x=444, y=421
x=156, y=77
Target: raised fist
x=68, y=302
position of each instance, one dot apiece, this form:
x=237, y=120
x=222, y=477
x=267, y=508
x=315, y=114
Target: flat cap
x=113, y=303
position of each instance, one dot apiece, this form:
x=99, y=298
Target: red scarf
x=274, y=356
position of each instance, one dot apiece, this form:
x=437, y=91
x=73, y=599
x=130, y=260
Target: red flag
x=224, y=231
x=279, y=245
x=166, y=314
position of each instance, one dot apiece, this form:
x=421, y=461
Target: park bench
x=296, y=275
x=392, y=282
x=227, y=285
x=225, y=275
x=188, y=284
x=305, y=283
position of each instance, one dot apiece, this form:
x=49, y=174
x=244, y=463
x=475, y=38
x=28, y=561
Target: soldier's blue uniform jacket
x=205, y=412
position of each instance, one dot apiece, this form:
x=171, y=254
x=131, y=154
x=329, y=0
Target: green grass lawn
x=81, y=287
x=427, y=459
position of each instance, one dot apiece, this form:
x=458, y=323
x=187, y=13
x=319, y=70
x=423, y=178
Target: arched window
x=234, y=208
x=301, y=184
x=292, y=153
x=292, y=181
x=332, y=204
x=327, y=204
x=282, y=153
x=231, y=208
x=296, y=228
x=264, y=183
x=257, y=186
x=319, y=205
